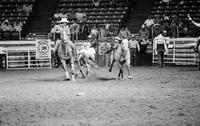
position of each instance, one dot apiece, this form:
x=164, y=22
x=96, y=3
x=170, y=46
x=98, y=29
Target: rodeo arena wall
x=37, y=54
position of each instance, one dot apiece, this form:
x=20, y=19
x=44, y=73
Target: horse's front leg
x=88, y=69
x=111, y=65
x=128, y=69
x=120, y=74
x=72, y=71
x=64, y=65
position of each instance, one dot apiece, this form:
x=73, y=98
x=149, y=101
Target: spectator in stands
x=165, y=23
x=74, y=28
x=57, y=15
x=166, y=1
x=134, y=47
x=17, y=26
x=173, y=28
x=64, y=14
x=116, y=30
x=102, y=31
x=183, y=29
x=94, y=31
x=149, y=22
x=80, y=16
x=124, y=33
x=96, y=2
x=19, y=8
x=143, y=35
x=6, y=28
x=84, y=31
x=27, y=8
x=72, y=15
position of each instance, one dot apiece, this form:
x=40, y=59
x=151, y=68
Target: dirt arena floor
x=154, y=97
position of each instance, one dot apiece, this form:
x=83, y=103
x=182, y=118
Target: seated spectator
x=64, y=14
x=80, y=16
x=27, y=8
x=71, y=15
x=19, y=8
x=5, y=26
x=17, y=26
x=96, y=2
x=57, y=15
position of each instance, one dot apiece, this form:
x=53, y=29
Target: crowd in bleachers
x=14, y=15
x=171, y=16
x=95, y=17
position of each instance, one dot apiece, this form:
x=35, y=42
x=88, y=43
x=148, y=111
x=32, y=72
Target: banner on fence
x=43, y=49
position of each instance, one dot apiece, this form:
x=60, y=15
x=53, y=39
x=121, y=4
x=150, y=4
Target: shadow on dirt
x=105, y=79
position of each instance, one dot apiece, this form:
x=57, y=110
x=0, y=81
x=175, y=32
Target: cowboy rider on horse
x=65, y=38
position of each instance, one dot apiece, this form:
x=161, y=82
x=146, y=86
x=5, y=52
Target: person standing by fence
x=134, y=47
x=160, y=48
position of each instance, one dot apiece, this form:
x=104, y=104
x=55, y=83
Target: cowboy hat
x=64, y=20
x=117, y=38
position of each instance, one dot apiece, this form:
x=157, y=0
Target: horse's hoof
x=129, y=77
x=67, y=79
x=56, y=65
x=110, y=70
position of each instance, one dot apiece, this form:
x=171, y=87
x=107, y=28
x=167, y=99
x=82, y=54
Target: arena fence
x=180, y=52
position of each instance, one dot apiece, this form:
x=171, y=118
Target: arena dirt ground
x=154, y=97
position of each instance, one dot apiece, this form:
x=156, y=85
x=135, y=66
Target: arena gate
x=180, y=52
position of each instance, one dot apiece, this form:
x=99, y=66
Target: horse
x=120, y=54
x=86, y=58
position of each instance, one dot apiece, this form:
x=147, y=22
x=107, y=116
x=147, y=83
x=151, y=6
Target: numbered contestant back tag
x=43, y=50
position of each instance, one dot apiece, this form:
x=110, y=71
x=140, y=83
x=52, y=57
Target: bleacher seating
x=97, y=15
x=8, y=10
x=181, y=9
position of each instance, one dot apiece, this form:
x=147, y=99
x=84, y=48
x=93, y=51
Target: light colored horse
x=86, y=58
x=120, y=54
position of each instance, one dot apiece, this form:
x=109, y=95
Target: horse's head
x=64, y=36
x=125, y=44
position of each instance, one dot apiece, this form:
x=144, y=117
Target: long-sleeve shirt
x=134, y=44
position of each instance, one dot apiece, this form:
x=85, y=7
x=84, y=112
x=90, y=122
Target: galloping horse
x=119, y=53
x=66, y=56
